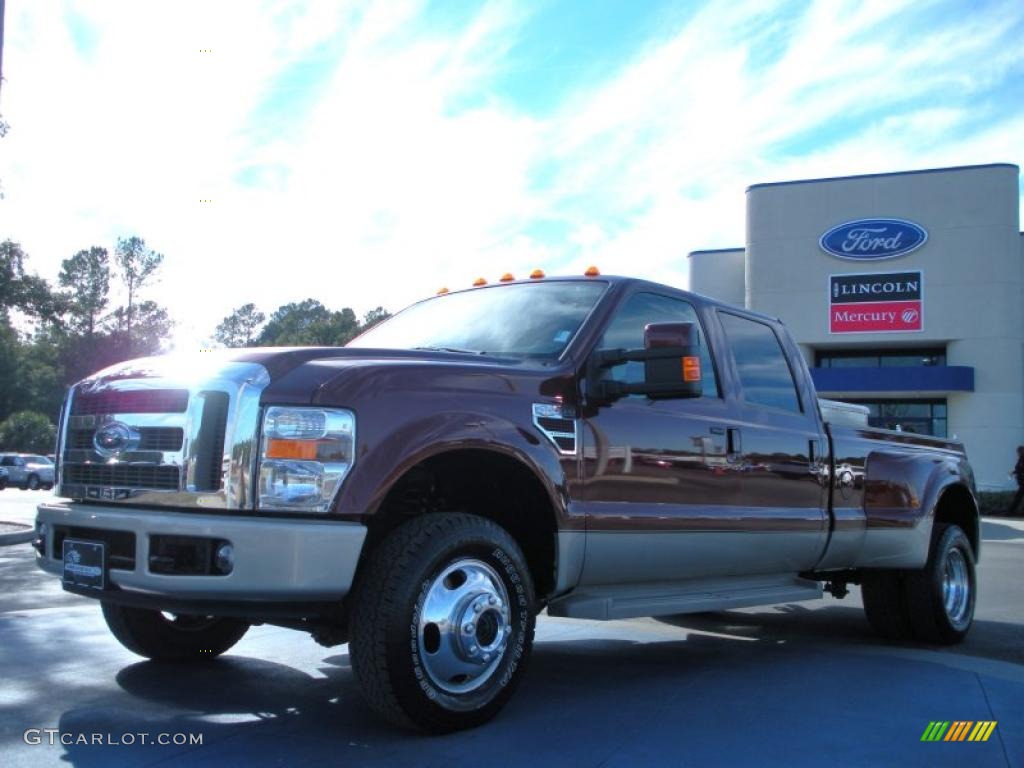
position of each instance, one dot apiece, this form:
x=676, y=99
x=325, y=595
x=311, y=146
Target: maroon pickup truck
x=600, y=447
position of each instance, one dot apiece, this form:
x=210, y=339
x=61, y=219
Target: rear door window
x=761, y=364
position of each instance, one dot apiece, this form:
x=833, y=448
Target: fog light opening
x=224, y=559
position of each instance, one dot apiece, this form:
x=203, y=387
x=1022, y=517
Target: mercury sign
x=877, y=303
x=872, y=239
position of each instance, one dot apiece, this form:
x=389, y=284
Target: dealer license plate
x=84, y=563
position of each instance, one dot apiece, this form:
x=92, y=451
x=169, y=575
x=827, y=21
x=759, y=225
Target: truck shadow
x=843, y=625
x=593, y=697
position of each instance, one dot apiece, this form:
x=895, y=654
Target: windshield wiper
x=452, y=349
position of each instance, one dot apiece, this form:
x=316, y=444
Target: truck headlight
x=305, y=455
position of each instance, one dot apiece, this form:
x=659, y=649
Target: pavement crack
x=992, y=714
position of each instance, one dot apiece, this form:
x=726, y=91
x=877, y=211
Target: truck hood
x=305, y=375
x=347, y=375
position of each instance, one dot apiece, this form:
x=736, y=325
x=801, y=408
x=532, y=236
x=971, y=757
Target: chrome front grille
x=123, y=476
x=151, y=438
x=142, y=432
x=106, y=401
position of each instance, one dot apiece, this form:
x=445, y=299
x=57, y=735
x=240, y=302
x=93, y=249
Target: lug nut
x=477, y=607
x=473, y=649
x=492, y=600
x=487, y=657
x=468, y=629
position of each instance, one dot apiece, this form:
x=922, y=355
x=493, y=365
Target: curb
x=17, y=537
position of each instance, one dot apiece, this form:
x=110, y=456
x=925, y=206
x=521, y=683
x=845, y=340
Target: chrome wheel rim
x=463, y=627
x=956, y=586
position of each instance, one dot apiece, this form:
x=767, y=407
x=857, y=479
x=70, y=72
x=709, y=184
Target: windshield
x=516, y=320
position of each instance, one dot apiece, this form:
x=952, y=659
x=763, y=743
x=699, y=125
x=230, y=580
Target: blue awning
x=923, y=378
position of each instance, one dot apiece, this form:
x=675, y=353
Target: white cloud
x=409, y=171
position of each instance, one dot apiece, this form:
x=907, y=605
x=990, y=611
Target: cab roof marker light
x=508, y=277
x=442, y=291
x=537, y=274
x=478, y=282
x=592, y=271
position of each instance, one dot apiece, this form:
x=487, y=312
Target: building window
x=922, y=417
x=893, y=358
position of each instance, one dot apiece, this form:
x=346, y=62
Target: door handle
x=733, y=444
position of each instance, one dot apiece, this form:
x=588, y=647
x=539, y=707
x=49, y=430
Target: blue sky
x=367, y=153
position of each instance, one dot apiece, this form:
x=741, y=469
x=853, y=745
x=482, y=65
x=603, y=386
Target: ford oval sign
x=870, y=239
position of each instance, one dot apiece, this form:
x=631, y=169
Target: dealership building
x=905, y=292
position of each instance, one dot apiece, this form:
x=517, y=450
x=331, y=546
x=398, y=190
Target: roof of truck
x=613, y=280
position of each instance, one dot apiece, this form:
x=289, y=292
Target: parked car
x=28, y=471
x=3, y=478
x=602, y=447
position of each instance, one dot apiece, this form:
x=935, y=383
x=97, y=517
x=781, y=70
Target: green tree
x=10, y=363
x=240, y=328
x=20, y=290
x=309, y=323
x=373, y=317
x=152, y=328
x=137, y=265
x=86, y=280
x=29, y=432
x=41, y=378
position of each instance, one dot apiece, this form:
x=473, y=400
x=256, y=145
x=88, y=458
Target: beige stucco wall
x=719, y=274
x=973, y=283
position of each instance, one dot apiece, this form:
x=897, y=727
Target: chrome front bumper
x=275, y=559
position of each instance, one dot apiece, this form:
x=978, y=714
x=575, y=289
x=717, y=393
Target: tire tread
x=141, y=632
x=376, y=595
x=885, y=605
x=926, y=612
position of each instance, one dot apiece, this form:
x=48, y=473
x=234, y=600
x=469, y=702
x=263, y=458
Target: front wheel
x=32, y=483
x=442, y=622
x=172, y=637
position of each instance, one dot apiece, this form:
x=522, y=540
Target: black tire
x=390, y=654
x=949, y=573
x=885, y=604
x=182, y=637
x=32, y=482
x=3, y=484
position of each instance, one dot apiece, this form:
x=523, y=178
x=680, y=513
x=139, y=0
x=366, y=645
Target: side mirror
x=671, y=358
x=675, y=371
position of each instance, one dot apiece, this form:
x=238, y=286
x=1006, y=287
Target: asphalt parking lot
x=790, y=685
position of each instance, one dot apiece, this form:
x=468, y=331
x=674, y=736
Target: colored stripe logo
x=959, y=730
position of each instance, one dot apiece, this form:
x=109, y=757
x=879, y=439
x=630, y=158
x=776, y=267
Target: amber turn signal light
x=301, y=450
x=691, y=369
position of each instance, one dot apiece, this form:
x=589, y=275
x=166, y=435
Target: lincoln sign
x=884, y=302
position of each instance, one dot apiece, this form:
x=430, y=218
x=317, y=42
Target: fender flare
x=376, y=474
x=946, y=477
